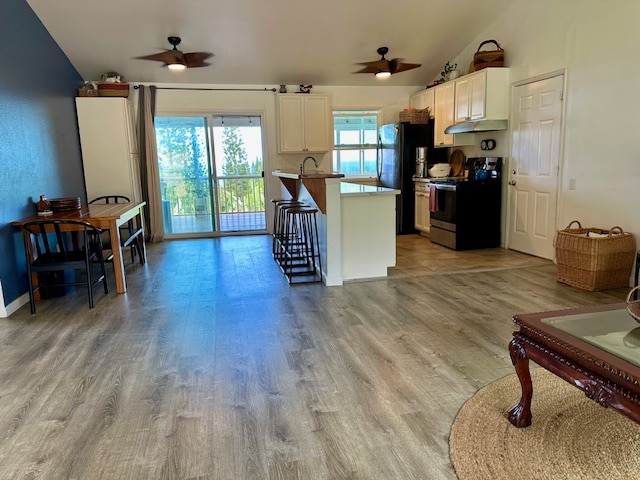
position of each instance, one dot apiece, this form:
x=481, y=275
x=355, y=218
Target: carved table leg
x=520, y=415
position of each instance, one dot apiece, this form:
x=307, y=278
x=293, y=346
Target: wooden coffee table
x=597, y=349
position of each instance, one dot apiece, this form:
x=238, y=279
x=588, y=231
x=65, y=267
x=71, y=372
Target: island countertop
x=297, y=175
x=356, y=189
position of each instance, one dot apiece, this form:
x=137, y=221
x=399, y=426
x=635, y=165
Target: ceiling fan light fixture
x=383, y=74
x=176, y=66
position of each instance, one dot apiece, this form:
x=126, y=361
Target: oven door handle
x=451, y=188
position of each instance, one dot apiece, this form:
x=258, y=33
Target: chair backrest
x=111, y=199
x=52, y=240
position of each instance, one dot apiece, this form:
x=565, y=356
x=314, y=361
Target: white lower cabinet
x=422, y=215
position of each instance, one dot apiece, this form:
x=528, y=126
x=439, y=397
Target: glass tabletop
x=613, y=331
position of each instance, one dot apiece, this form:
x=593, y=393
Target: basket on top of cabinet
x=415, y=115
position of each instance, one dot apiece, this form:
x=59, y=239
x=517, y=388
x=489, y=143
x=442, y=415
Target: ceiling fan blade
x=374, y=67
x=167, y=57
x=396, y=65
x=368, y=70
x=159, y=57
x=197, y=59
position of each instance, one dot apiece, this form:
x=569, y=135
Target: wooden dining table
x=109, y=217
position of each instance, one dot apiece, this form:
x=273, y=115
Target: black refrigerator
x=396, y=165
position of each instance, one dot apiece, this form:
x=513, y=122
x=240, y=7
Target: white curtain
x=149, y=172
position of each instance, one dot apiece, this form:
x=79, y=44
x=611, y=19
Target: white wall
x=390, y=100
x=597, y=43
x=594, y=41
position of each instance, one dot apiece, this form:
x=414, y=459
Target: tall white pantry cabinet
x=109, y=147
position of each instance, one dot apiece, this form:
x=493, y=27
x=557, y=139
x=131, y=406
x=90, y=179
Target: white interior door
x=536, y=119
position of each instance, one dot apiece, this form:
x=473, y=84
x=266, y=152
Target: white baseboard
x=6, y=311
x=333, y=281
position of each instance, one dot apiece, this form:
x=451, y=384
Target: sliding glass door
x=184, y=153
x=239, y=178
x=211, y=174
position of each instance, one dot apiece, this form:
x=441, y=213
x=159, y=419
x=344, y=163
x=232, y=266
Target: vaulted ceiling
x=266, y=42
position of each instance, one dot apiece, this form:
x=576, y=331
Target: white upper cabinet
x=423, y=99
x=444, y=104
x=482, y=95
x=304, y=123
x=443, y=100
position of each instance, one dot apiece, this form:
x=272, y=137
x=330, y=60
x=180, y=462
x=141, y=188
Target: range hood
x=472, y=126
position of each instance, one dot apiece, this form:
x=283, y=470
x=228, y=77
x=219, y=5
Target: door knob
x=512, y=182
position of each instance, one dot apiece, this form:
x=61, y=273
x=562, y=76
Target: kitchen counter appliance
x=421, y=162
x=466, y=213
x=439, y=170
x=396, y=164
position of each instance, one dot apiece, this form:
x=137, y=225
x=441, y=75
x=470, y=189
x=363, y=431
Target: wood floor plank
x=213, y=367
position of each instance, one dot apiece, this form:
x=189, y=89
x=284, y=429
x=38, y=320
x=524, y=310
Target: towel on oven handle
x=433, y=198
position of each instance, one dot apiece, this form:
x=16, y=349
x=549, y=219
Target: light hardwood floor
x=213, y=367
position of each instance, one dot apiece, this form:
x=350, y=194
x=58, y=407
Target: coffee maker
x=421, y=162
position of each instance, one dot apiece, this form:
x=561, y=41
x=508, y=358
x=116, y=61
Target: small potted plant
x=449, y=72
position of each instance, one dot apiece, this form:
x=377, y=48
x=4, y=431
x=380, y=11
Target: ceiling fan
x=176, y=60
x=385, y=68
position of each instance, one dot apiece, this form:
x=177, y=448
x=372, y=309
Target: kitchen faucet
x=305, y=161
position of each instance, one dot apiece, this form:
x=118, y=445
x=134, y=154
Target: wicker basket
x=87, y=92
x=414, y=115
x=487, y=58
x=594, y=259
x=633, y=305
x=113, y=89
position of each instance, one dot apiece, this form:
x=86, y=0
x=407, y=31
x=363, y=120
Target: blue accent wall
x=39, y=143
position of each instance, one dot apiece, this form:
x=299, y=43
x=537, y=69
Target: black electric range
x=466, y=213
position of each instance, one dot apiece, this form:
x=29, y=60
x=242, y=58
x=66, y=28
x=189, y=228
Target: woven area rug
x=571, y=437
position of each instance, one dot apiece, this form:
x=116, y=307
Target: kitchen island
x=356, y=224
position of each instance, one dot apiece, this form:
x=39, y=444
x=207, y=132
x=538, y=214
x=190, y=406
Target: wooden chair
x=58, y=245
x=128, y=233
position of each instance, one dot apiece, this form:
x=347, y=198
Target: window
x=355, y=138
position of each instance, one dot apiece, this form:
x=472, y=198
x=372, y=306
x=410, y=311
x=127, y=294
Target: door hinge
x=561, y=95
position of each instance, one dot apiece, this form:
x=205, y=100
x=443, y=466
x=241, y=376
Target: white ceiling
x=259, y=42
